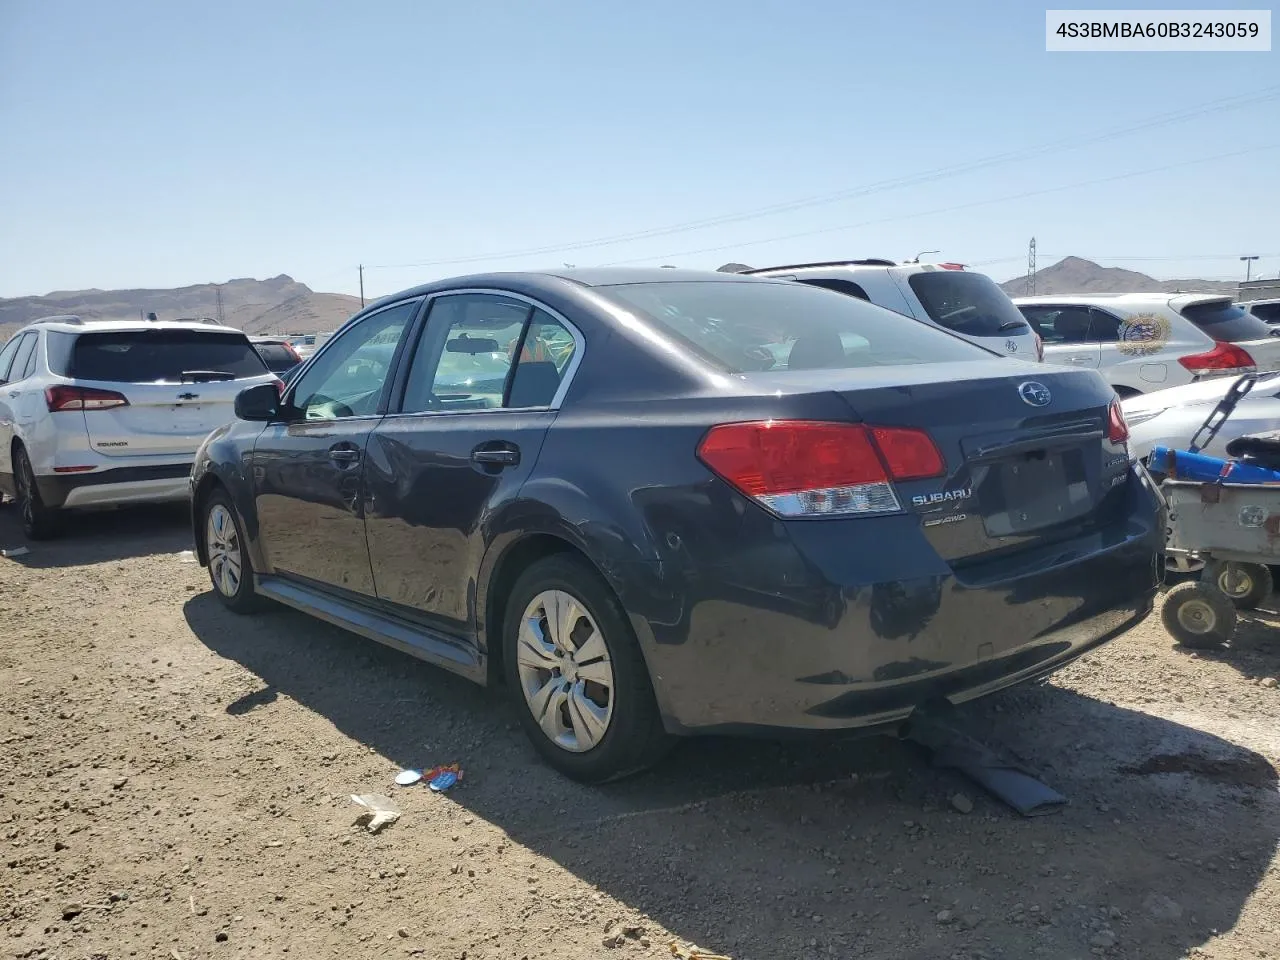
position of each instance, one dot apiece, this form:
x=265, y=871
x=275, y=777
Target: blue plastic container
x=1182, y=465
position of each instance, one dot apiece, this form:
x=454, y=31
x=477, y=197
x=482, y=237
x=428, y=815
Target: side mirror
x=260, y=403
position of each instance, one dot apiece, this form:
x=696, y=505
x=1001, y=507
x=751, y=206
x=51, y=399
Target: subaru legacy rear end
x=861, y=516
x=129, y=404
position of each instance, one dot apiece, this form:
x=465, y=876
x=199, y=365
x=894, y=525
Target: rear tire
x=1198, y=615
x=1244, y=584
x=230, y=569
x=38, y=521
x=575, y=670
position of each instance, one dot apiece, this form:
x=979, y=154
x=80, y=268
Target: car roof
x=580, y=277
x=1123, y=299
x=64, y=323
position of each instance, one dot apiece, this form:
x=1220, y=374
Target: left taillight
x=293, y=352
x=59, y=399
x=804, y=468
x=1117, y=429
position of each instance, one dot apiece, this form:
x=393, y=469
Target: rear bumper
x=829, y=650
x=118, y=485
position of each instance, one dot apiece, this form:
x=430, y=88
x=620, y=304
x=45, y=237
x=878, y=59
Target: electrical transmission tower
x=217, y=294
x=1031, y=268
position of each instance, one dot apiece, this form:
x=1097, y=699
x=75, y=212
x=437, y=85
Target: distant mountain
x=1077, y=275
x=278, y=305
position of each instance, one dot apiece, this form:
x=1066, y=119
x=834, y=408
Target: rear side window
x=745, y=325
x=163, y=356
x=1266, y=312
x=968, y=303
x=847, y=287
x=1226, y=322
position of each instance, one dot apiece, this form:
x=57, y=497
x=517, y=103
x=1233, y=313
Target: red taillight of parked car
x=281, y=386
x=1117, y=429
x=292, y=351
x=58, y=399
x=807, y=468
x=1224, y=359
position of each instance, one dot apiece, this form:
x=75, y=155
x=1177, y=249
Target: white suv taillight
x=1225, y=359
x=82, y=398
x=808, y=468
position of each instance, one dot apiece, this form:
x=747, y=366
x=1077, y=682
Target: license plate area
x=1033, y=491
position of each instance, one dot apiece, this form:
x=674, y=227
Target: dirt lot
x=174, y=783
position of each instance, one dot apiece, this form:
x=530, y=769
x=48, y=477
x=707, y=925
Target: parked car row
x=653, y=502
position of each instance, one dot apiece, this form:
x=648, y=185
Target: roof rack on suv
x=197, y=320
x=59, y=318
x=870, y=262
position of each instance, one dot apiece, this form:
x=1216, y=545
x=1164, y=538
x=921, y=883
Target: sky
x=146, y=143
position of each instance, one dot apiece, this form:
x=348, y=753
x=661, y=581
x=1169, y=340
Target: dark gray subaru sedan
x=658, y=502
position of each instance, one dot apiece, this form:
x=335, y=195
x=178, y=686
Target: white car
x=1148, y=341
x=1172, y=417
x=1268, y=311
x=102, y=413
x=945, y=295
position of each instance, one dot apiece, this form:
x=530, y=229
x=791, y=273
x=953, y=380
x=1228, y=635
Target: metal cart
x=1232, y=528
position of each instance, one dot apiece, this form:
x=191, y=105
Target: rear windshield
x=155, y=356
x=750, y=325
x=276, y=356
x=968, y=303
x=1226, y=322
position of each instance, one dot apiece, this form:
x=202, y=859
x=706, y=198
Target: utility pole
x=1031, y=268
x=361, y=284
x=217, y=294
x=1248, y=267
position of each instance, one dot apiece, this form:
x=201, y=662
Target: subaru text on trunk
x=660, y=502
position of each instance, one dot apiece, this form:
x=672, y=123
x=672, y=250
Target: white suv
x=1148, y=341
x=1268, y=311
x=945, y=295
x=98, y=413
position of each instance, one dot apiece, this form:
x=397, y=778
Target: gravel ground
x=175, y=781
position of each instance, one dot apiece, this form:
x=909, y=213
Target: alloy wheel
x=222, y=543
x=565, y=671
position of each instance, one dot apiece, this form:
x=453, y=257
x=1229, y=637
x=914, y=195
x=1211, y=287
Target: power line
x=952, y=209
x=1188, y=113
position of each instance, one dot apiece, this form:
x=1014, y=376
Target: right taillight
x=800, y=468
x=58, y=399
x=1117, y=429
x=1223, y=360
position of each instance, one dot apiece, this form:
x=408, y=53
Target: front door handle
x=496, y=456
x=1078, y=359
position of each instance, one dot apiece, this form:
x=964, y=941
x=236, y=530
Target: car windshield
x=968, y=303
x=753, y=325
x=1227, y=322
x=160, y=356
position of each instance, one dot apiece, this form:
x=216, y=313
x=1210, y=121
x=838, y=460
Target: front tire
x=579, y=680
x=230, y=570
x=1198, y=615
x=1245, y=584
x=38, y=521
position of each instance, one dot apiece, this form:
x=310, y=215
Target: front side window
x=347, y=380
x=483, y=351
x=745, y=325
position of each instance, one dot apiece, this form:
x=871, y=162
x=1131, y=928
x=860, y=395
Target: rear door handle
x=497, y=456
x=344, y=454
x=1078, y=359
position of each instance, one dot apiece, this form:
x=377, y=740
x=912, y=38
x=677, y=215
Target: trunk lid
x=1228, y=322
x=1027, y=454
x=180, y=384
